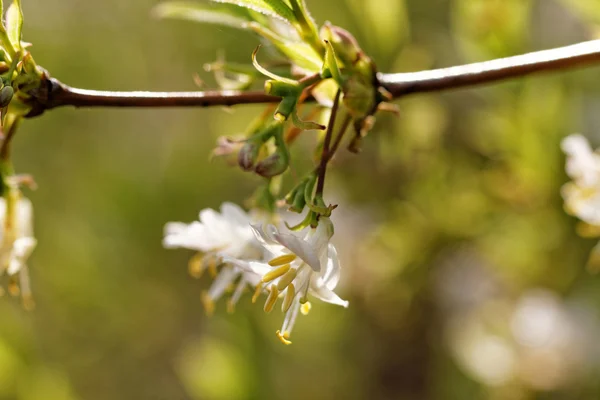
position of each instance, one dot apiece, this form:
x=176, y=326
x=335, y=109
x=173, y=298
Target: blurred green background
x=465, y=278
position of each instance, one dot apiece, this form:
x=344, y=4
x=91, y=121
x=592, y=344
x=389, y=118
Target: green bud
x=296, y=198
x=344, y=44
x=6, y=95
x=286, y=108
x=278, y=162
x=359, y=96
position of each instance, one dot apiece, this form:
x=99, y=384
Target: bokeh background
x=466, y=279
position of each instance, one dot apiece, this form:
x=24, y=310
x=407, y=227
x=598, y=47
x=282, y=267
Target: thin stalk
x=326, y=143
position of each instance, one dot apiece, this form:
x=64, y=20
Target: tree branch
x=58, y=94
x=562, y=58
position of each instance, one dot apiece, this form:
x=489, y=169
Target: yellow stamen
x=287, y=279
x=276, y=273
x=257, y=292
x=305, y=308
x=272, y=299
x=212, y=266
x=289, y=297
x=281, y=260
x=13, y=288
x=207, y=303
x=284, y=337
x=230, y=306
x=28, y=303
x=195, y=265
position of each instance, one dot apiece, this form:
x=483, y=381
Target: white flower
x=301, y=266
x=17, y=243
x=216, y=237
x=582, y=195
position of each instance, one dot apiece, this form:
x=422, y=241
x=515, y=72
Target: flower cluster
x=242, y=250
x=292, y=263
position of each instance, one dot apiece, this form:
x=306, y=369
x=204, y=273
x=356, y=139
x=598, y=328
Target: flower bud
x=344, y=44
x=272, y=166
x=6, y=95
x=226, y=146
x=278, y=162
x=296, y=198
x=359, y=96
x=248, y=154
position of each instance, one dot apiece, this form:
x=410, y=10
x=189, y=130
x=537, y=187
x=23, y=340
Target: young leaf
x=268, y=73
x=14, y=23
x=331, y=64
x=273, y=8
x=299, y=53
x=223, y=14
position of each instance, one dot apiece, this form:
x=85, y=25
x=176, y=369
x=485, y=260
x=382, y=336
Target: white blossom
x=300, y=266
x=217, y=237
x=582, y=194
x=17, y=242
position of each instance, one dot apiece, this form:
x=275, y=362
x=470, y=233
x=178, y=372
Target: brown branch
x=400, y=84
x=562, y=58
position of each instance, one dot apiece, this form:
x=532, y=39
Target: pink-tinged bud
x=226, y=146
x=248, y=155
x=344, y=44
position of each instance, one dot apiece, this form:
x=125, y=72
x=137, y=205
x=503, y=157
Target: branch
x=562, y=58
x=57, y=94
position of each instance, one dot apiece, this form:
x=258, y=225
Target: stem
x=5, y=147
x=561, y=58
x=339, y=137
x=400, y=84
x=326, y=143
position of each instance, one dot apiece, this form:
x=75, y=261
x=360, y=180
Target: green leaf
x=268, y=73
x=14, y=23
x=299, y=53
x=273, y=8
x=305, y=125
x=224, y=14
x=331, y=66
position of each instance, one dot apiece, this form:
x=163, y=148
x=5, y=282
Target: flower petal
x=265, y=236
x=327, y=295
x=301, y=248
x=582, y=165
x=331, y=276
x=234, y=214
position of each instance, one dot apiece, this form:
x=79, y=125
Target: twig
x=326, y=143
x=562, y=58
x=58, y=94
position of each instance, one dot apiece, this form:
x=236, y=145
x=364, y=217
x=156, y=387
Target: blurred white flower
x=17, y=243
x=582, y=195
x=217, y=236
x=300, y=266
